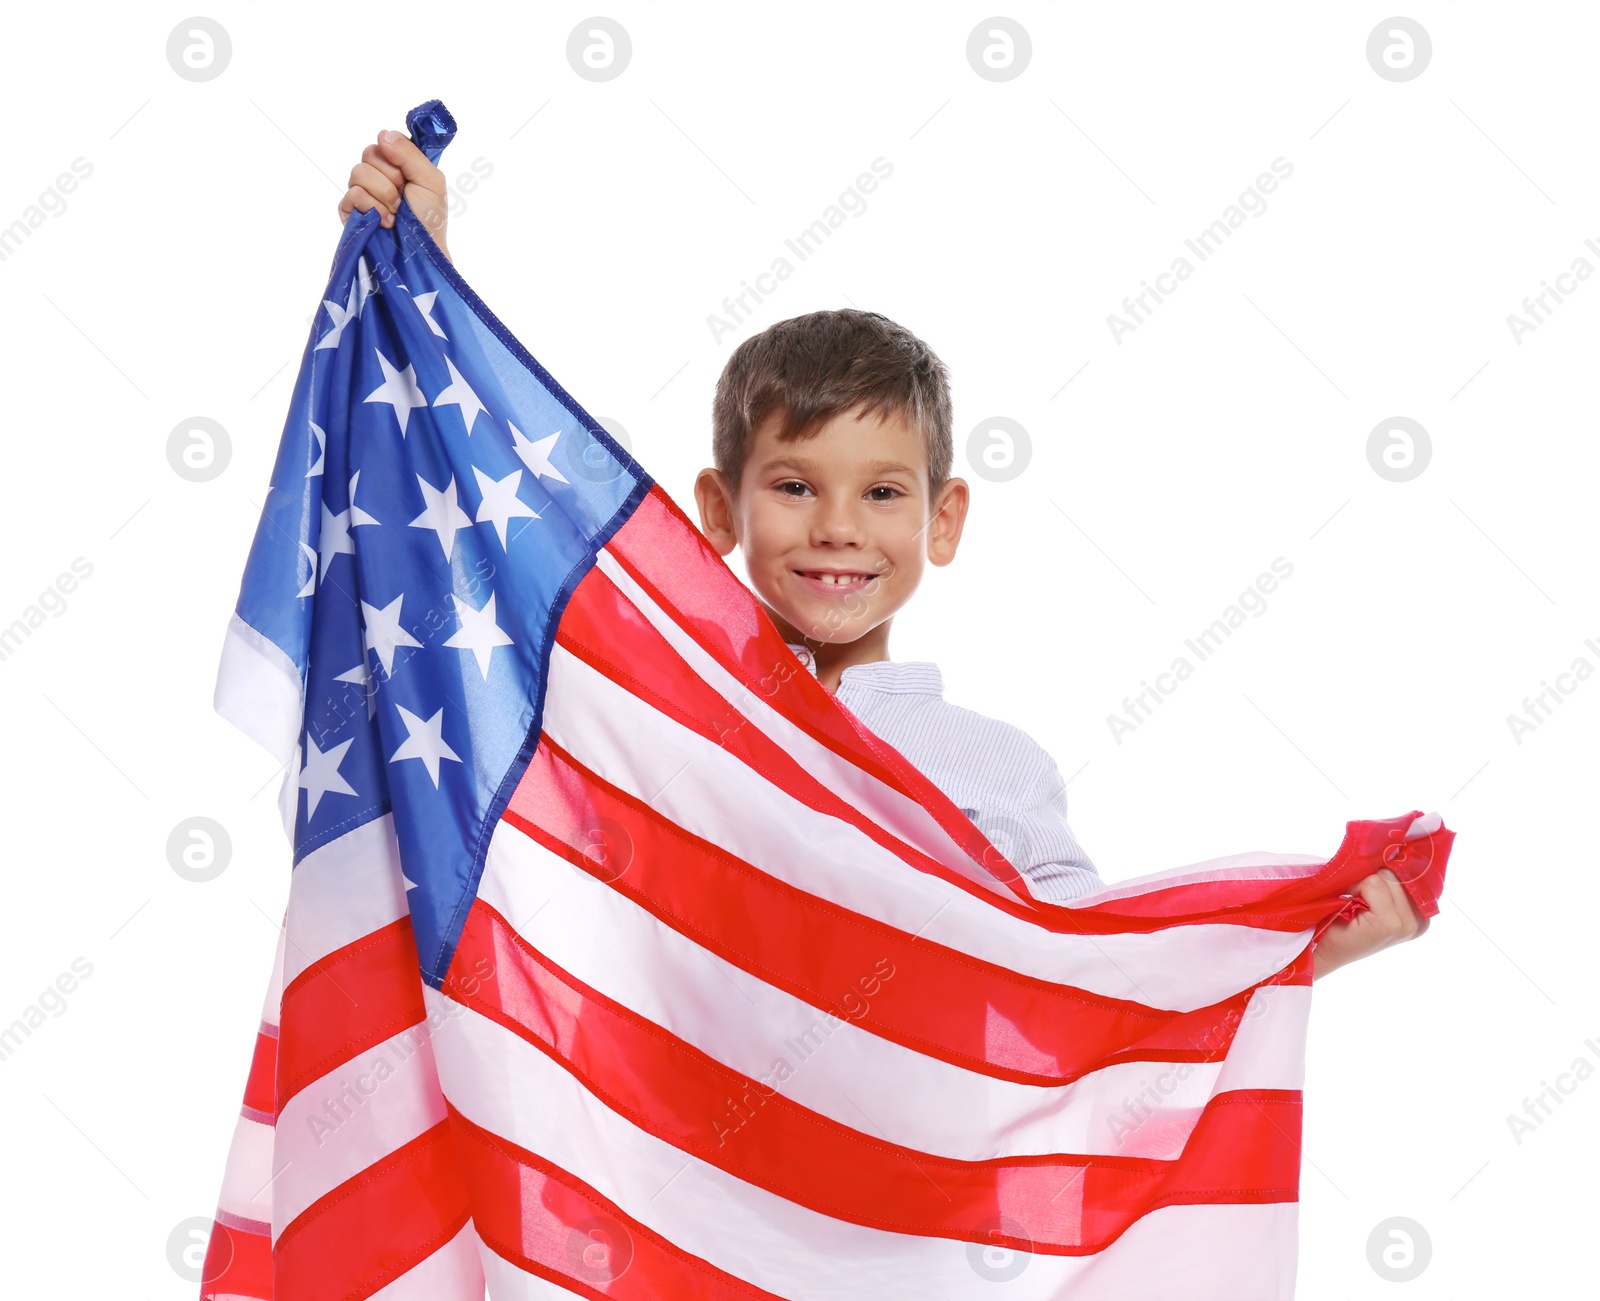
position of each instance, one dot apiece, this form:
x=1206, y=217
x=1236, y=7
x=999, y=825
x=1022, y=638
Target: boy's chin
x=819, y=626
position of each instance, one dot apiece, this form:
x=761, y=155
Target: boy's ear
x=715, y=500
x=947, y=514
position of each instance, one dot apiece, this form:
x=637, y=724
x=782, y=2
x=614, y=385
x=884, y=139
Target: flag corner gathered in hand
x=621, y=960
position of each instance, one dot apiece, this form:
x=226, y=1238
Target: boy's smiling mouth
x=835, y=581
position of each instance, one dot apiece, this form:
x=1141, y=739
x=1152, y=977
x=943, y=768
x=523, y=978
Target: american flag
x=620, y=960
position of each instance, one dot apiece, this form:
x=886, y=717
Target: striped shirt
x=998, y=775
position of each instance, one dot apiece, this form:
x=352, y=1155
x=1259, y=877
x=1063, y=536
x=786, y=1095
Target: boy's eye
x=791, y=483
x=888, y=488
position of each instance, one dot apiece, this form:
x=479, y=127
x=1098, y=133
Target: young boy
x=831, y=435
x=833, y=449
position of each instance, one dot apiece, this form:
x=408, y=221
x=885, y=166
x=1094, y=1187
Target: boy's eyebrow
x=804, y=466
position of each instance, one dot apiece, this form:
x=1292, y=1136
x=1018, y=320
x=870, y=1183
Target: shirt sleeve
x=1041, y=843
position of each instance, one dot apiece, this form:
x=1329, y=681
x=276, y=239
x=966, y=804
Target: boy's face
x=835, y=528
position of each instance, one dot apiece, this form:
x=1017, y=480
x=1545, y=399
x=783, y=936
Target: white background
x=1229, y=429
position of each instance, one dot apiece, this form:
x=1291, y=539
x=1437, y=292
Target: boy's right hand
x=389, y=168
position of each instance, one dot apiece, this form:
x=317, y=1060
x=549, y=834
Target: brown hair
x=810, y=368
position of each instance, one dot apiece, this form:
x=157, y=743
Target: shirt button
x=803, y=655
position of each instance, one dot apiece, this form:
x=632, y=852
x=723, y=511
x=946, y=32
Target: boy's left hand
x=1390, y=917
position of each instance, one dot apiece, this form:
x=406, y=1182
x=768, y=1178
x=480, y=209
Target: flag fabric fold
x=620, y=960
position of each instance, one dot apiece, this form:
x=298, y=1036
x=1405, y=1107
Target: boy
x=833, y=450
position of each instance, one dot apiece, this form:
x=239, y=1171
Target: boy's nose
x=838, y=525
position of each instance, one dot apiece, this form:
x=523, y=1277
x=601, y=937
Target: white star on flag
x=368, y=285
x=342, y=316
x=336, y=539
x=311, y=583
x=443, y=515
x=425, y=741
x=425, y=302
x=357, y=515
x=361, y=675
x=536, y=454
x=399, y=389
x=321, y=776
x=479, y=633
x=322, y=449
x=500, y=504
x=459, y=393
x=383, y=633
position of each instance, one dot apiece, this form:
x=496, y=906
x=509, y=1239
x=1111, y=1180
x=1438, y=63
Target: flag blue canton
x=436, y=498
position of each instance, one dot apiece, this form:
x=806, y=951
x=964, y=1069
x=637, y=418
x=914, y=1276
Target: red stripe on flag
x=1244, y=1147
x=373, y=1228
x=911, y=990
x=261, y=1089
x=238, y=1263
x=1308, y=896
x=346, y=1003
x=549, y=1223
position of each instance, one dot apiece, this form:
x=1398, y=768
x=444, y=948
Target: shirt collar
x=909, y=677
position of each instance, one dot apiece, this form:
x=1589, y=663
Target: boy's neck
x=832, y=658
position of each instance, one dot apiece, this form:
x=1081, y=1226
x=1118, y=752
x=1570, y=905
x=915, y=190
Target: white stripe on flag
x=247, y=1178
x=272, y=1002
x=259, y=690
x=356, y=1114
x=1266, y=865
x=453, y=1273
x=348, y=888
x=508, y=1282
